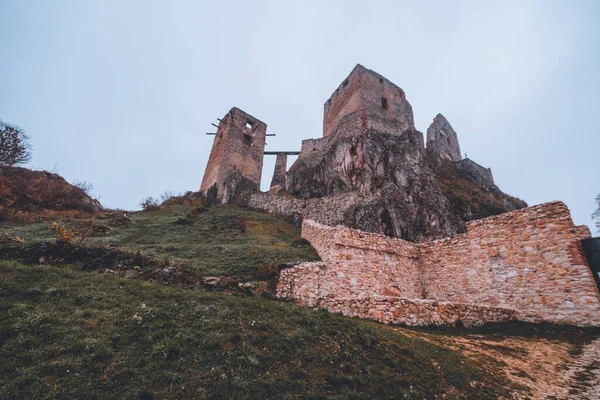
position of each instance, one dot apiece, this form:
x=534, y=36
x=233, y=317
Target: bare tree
x=14, y=145
x=596, y=214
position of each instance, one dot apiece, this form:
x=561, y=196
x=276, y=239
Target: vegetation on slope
x=68, y=333
x=218, y=241
x=71, y=334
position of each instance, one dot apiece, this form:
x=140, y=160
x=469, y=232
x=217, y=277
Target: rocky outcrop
x=442, y=139
x=420, y=196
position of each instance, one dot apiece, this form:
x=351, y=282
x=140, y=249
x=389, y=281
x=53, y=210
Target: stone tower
x=442, y=139
x=236, y=158
x=278, y=181
x=375, y=102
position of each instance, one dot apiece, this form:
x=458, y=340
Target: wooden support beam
x=274, y=153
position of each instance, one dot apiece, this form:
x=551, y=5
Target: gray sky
x=121, y=93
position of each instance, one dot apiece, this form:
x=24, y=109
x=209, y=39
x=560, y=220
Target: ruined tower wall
x=528, y=260
x=345, y=100
x=236, y=158
x=278, y=181
x=378, y=101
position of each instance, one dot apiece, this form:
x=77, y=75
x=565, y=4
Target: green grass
x=224, y=240
x=70, y=334
x=66, y=332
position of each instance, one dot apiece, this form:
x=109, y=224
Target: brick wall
x=529, y=261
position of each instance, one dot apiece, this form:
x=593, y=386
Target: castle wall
x=236, y=158
x=529, y=261
x=345, y=100
x=328, y=210
x=367, y=92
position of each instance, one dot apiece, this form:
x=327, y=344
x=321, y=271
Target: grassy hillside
x=71, y=334
x=223, y=240
x=71, y=327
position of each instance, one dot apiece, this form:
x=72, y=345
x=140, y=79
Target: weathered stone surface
x=386, y=183
x=372, y=156
x=236, y=158
x=278, y=181
x=442, y=139
x=529, y=261
x=380, y=104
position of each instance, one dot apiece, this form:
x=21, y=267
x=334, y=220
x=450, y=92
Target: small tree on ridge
x=14, y=145
x=596, y=214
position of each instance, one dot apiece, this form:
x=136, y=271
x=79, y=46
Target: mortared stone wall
x=526, y=264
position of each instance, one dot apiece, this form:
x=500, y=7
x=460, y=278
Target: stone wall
x=328, y=210
x=529, y=261
x=278, y=181
x=414, y=312
x=236, y=158
x=365, y=91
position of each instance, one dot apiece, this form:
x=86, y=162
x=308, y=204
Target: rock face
x=442, y=139
x=370, y=147
x=420, y=195
x=370, y=170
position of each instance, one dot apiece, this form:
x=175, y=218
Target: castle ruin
x=236, y=159
x=408, y=232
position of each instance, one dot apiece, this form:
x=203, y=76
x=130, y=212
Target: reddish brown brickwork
x=525, y=264
x=380, y=104
x=583, y=232
x=236, y=158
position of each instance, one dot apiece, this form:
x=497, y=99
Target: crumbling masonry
x=408, y=233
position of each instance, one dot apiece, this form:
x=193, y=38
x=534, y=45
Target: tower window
x=248, y=125
x=345, y=83
x=380, y=80
x=384, y=103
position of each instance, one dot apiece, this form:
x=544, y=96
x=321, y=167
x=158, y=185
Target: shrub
x=14, y=145
x=84, y=186
x=596, y=214
x=149, y=204
x=70, y=236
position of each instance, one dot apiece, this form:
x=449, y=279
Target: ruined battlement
x=236, y=158
x=372, y=96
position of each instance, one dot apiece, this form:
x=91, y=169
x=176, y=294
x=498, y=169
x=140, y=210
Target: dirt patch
x=543, y=368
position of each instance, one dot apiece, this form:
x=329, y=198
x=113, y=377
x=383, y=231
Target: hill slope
x=66, y=332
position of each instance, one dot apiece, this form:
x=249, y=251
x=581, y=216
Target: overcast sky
x=121, y=93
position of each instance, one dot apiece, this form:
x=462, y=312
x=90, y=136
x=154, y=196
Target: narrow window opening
x=380, y=80
x=345, y=83
x=247, y=139
x=248, y=125
x=384, y=103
